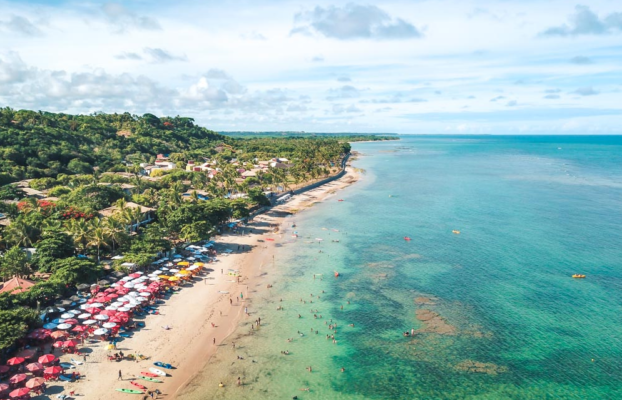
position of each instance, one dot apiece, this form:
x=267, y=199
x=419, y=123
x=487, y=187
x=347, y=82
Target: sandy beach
x=190, y=313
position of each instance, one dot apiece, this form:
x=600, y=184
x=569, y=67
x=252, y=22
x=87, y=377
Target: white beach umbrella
x=102, y=317
x=101, y=331
x=111, y=308
x=97, y=305
x=117, y=303
x=127, y=278
x=63, y=327
x=141, y=299
x=74, y=312
x=67, y=315
x=128, y=285
x=85, y=306
x=145, y=294
x=89, y=322
x=125, y=309
x=84, y=316
x=154, y=278
x=109, y=325
x=174, y=270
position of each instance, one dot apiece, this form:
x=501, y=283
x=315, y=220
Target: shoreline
x=189, y=344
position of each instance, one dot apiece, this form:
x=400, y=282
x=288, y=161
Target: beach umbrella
x=110, y=347
x=103, y=282
x=164, y=277
x=128, y=285
x=154, y=278
x=47, y=358
x=111, y=308
x=92, y=310
x=186, y=263
x=109, y=325
x=124, y=309
x=34, y=367
x=75, y=298
x=97, y=305
x=71, y=321
x=101, y=331
x=19, y=392
x=58, y=334
x=102, y=317
x=63, y=326
x=84, y=316
x=89, y=322
x=83, y=286
x=79, y=328
x=141, y=299
x=15, y=361
x=58, y=321
x=55, y=370
x=173, y=278
x=145, y=294
x=3, y=370
x=84, y=306
x=35, y=382
x=134, y=275
x=67, y=315
x=174, y=270
x=58, y=344
x=4, y=387
x=70, y=343
x=50, y=326
x=26, y=353
x=17, y=378
x=109, y=313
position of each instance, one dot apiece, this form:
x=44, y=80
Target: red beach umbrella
x=4, y=369
x=92, y=310
x=58, y=344
x=109, y=313
x=80, y=328
x=70, y=343
x=15, y=361
x=4, y=387
x=18, y=378
x=34, y=367
x=58, y=334
x=71, y=321
x=47, y=358
x=35, y=382
x=19, y=392
x=55, y=370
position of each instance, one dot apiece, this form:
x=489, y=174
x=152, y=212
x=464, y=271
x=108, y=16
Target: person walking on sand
x=214, y=340
x=120, y=376
x=239, y=381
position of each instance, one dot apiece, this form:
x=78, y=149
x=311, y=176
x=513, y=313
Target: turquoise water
x=531, y=212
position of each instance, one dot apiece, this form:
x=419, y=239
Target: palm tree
x=98, y=238
x=80, y=229
x=114, y=230
x=22, y=232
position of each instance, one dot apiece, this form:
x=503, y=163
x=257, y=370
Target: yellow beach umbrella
x=184, y=272
x=199, y=264
x=186, y=263
x=164, y=277
x=173, y=278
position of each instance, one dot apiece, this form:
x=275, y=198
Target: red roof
x=16, y=285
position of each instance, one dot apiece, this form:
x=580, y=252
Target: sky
x=435, y=67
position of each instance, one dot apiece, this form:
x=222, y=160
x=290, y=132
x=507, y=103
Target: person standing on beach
x=120, y=376
x=214, y=343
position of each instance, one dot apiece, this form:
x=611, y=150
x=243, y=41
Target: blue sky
x=437, y=66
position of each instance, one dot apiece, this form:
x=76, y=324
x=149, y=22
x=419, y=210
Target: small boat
x=132, y=391
x=157, y=371
x=336, y=274
x=456, y=232
x=340, y=200
x=149, y=374
x=151, y=379
x=138, y=385
x=406, y=238
x=578, y=276
x=163, y=365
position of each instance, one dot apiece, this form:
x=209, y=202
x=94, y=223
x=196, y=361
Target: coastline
x=188, y=345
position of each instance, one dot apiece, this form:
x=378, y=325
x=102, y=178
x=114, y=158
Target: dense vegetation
x=81, y=163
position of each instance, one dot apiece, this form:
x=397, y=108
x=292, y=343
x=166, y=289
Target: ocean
x=496, y=312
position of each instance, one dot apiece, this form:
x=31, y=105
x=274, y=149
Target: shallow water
x=531, y=212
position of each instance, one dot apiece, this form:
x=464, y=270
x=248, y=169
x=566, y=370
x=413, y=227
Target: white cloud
x=353, y=21
x=123, y=19
x=20, y=25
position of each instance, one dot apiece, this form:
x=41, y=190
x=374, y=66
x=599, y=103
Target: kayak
x=138, y=385
x=157, y=371
x=152, y=375
x=163, y=365
x=151, y=379
x=130, y=391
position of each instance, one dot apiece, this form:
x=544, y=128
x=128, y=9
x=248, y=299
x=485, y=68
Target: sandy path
x=189, y=343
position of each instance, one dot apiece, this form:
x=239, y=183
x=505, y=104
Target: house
x=128, y=189
x=16, y=285
x=201, y=194
x=190, y=166
x=4, y=221
x=249, y=174
x=165, y=164
x=148, y=213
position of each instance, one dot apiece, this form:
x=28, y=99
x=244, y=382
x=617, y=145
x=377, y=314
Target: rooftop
x=16, y=285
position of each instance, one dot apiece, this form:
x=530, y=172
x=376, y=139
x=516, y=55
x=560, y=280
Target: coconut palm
x=80, y=230
x=98, y=238
x=115, y=230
